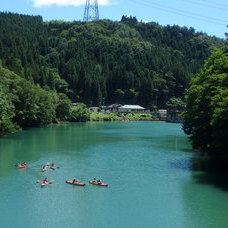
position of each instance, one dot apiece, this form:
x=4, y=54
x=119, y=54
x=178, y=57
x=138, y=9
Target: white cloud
x=42, y=3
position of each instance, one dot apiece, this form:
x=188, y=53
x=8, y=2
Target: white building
x=131, y=108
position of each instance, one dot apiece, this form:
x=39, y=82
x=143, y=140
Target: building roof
x=114, y=106
x=132, y=107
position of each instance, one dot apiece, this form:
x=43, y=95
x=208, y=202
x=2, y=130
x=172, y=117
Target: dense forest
x=44, y=66
x=104, y=62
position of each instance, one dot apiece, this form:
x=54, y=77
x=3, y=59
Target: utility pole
x=91, y=12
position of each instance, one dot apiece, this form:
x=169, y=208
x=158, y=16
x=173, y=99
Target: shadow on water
x=216, y=179
x=188, y=162
x=190, y=150
x=210, y=172
x=203, y=172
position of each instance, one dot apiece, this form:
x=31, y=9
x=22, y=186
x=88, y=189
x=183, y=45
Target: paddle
x=50, y=181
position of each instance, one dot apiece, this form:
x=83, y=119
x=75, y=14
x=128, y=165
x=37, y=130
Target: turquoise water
x=146, y=164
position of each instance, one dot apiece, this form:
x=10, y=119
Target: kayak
x=44, y=169
x=22, y=166
x=44, y=183
x=100, y=184
x=53, y=167
x=75, y=183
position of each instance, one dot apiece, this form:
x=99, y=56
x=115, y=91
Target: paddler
x=45, y=180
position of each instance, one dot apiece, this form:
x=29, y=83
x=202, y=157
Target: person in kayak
x=74, y=180
x=45, y=180
x=94, y=179
x=52, y=164
x=99, y=181
x=23, y=163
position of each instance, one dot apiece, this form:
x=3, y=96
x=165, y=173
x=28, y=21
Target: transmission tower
x=91, y=11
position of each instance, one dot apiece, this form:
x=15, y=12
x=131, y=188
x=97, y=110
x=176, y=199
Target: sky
x=209, y=16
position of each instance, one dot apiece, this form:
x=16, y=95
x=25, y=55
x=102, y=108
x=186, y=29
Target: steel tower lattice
x=91, y=12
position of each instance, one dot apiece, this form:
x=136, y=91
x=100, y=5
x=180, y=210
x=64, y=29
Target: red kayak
x=22, y=166
x=100, y=184
x=44, y=169
x=75, y=183
x=53, y=167
x=44, y=183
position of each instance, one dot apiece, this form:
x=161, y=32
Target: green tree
x=25, y=104
x=6, y=113
x=119, y=95
x=206, y=119
x=63, y=107
x=79, y=113
x=175, y=103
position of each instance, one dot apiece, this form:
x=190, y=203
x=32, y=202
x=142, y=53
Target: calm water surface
x=146, y=164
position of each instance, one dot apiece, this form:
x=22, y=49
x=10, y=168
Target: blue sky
x=210, y=16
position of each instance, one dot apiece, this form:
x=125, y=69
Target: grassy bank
x=120, y=117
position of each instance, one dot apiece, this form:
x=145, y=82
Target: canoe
x=100, y=184
x=22, y=166
x=75, y=183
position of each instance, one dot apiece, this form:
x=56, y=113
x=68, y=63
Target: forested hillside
x=104, y=61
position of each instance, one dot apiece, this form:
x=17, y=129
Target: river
x=146, y=164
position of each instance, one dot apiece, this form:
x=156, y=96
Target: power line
x=186, y=12
x=182, y=13
x=215, y=3
x=205, y=4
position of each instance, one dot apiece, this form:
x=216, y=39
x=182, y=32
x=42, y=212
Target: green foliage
x=94, y=62
x=120, y=116
x=105, y=62
x=176, y=103
x=119, y=95
x=32, y=105
x=6, y=113
x=63, y=107
x=206, y=119
x=24, y=104
x=79, y=113
x=138, y=117
x=104, y=117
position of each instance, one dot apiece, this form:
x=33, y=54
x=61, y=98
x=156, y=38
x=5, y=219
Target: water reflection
x=182, y=164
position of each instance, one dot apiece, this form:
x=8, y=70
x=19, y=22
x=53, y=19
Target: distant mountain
x=104, y=61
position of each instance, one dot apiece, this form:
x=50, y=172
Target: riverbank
x=115, y=116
